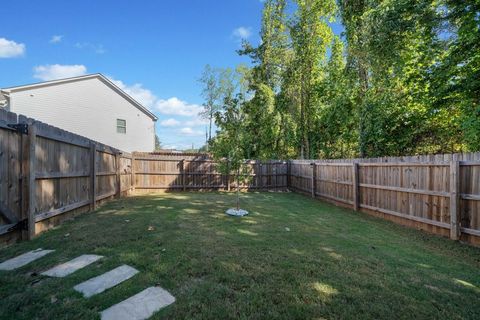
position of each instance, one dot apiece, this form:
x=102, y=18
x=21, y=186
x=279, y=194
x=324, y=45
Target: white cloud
x=137, y=92
x=56, y=39
x=175, y=106
x=172, y=106
x=196, y=122
x=242, y=33
x=11, y=49
x=170, y=123
x=58, y=71
x=187, y=131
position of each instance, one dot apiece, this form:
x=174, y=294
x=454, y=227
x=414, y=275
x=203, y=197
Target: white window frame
x=120, y=126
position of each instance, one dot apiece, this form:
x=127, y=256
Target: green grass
x=333, y=263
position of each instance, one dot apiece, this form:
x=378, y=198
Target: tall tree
x=456, y=77
x=405, y=83
x=393, y=73
x=211, y=93
x=310, y=36
x=217, y=84
x=270, y=56
x=352, y=13
x=335, y=135
x=265, y=78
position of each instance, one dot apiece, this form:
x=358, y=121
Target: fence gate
x=13, y=139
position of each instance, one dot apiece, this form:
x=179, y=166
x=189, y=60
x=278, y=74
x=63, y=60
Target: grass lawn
x=291, y=258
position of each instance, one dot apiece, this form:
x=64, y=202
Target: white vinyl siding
x=89, y=108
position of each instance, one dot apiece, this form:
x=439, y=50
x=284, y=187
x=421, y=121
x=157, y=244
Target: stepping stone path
x=23, y=259
x=140, y=306
x=105, y=281
x=63, y=270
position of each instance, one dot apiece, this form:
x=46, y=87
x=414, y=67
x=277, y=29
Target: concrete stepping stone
x=105, y=281
x=140, y=306
x=23, y=259
x=69, y=267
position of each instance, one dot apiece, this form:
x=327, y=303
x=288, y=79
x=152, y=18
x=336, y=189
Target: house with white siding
x=91, y=106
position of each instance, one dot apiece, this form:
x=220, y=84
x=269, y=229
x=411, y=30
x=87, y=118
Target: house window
x=121, y=126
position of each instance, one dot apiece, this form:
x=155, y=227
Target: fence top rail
x=4, y=125
x=386, y=164
x=53, y=133
x=467, y=156
x=175, y=154
x=332, y=164
x=125, y=155
x=380, y=164
x=404, y=164
x=259, y=162
x=470, y=163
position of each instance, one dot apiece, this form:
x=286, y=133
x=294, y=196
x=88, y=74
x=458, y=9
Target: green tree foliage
x=335, y=134
x=403, y=79
x=229, y=142
x=229, y=146
x=310, y=35
x=211, y=93
x=158, y=145
x=456, y=78
x=265, y=120
x=399, y=51
x=217, y=84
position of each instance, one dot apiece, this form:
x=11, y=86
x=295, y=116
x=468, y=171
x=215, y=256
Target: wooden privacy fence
x=48, y=175
x=438, y=193
x=173, y=171
x=46, y=172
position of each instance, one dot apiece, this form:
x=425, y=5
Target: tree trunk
x=302, y=126
x=210, y=128
x=238, y=189
x=363, y=75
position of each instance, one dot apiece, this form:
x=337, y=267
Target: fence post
x=182, y=174
x=260, y=176
x=228, y=175
x=132, y=172
x=275, y=175
x=118, y=179
x=355, y=188
x=24, y=172
x=31, y=166
x=454, y=198
x=289, y=173
x=314, y=178
x=93, y=175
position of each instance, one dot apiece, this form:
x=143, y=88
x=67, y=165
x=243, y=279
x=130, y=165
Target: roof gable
x=98, y=76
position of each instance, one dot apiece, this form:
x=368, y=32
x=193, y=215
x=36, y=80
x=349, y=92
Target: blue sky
x=154, y=50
